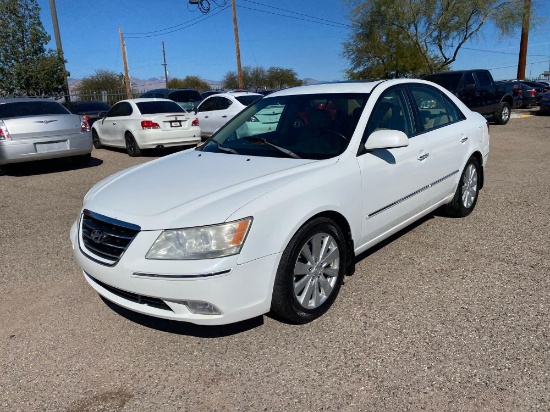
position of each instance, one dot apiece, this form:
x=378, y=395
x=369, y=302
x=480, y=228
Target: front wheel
x=503, y=114
x=465, y=198
x=131, y=146
x=310, y=272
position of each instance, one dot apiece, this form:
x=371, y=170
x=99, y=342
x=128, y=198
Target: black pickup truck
x=478, y=91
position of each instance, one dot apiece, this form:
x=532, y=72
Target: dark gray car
x=36, y=129
x=189, y=99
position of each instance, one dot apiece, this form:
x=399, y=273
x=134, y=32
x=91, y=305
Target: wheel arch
x=508, y=99
x=345, y=227
x=477, y=155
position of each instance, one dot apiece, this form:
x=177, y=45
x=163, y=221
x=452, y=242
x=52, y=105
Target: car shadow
x=152, y=153
x=185, y=328
x=43, y=167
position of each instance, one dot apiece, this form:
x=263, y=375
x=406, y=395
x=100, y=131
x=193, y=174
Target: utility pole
x=59, y=47
x=522, y=62
x=165, y=71
x=237, y=47
x=126, y=74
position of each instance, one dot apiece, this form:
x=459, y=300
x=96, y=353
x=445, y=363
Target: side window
x=483, y=79
x=391, y=111
x=207, y=105
x=468, y=81
x=454, y=112
x=223, y=103
x=116, y=110
x=434, y=109
x=126, y=109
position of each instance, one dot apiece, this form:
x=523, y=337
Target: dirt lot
x=451, y=315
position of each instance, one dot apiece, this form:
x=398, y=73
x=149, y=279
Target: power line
x=173, y=31
x=294, y=12
x=332, y=24
x=499, y=52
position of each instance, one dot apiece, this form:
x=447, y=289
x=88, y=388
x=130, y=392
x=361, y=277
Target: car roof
x=361, y=86
x=236, y=94
x=147, y=99
x=27, y=99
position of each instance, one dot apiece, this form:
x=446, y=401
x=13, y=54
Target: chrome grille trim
x=114, y=237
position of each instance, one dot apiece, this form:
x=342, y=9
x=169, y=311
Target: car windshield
x=185, y=96
x=90, y=107
x=249, y=99
x=38, y=108
x=312, y=126
x=159, y=107
x=449, y=81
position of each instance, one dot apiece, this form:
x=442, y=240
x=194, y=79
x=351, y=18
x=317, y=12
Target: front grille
x=134, y=297
x=105, y=237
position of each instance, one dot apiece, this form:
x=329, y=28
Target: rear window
x=90, y=107
x=22, y=109
x=159, y=107
x=185, y=96
x=246, y=100
x=449, y=81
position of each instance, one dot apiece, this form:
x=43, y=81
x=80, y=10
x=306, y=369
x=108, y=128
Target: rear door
x=447, y=140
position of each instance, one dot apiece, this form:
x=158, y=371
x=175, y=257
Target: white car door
x=112, y=128
x=448, y=139
x=205, y=115
x=394, y=183
x=225, y=110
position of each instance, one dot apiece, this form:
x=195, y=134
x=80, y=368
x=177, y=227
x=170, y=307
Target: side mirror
x=386, y=139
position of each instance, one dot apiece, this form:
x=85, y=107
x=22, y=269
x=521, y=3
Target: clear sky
x=304, y=35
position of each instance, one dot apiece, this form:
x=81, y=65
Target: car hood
x=192, y=188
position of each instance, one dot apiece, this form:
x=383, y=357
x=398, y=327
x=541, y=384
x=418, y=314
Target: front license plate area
x=51, y=147
x=175, y=124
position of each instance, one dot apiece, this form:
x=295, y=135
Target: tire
x=96, y=140
x=131, y=145
x=465, y=198
x=502, y=116
x=306, y=287
x=2, y=170
x=82, y=160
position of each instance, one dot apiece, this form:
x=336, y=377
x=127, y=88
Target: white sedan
x=137, y=124
x=216, y=110
x=274, y=217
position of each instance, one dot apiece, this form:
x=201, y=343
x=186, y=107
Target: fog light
x=202, y=308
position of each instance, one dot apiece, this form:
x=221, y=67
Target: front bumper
x=239, y=291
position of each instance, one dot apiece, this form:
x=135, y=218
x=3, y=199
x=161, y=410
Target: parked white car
x=216, y=110
x=273, y=220
x=146, y=123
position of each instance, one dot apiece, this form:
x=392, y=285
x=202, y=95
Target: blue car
x=545, y=103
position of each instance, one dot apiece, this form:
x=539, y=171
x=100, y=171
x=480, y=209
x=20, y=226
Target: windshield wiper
x=225, y=149
x=279, y=148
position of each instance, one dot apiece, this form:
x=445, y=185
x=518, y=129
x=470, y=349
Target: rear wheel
x=310, y=273
x=465, y=198
x=503, y=114
x=96, y=140
x=131, y=146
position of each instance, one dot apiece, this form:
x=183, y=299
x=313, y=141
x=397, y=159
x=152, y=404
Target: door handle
x=114, y=122
x=224, y=116
x=206, y=117
x=423, y=156
x=463, y=140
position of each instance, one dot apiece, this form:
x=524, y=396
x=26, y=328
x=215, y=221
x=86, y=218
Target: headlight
x=206, y=242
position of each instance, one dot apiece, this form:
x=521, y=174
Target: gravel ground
x=450, y=315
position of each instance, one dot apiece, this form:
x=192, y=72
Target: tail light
x=84, y=125
x=4, y=134
x=532, y=92
x=195, y=122
x=149, y=124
